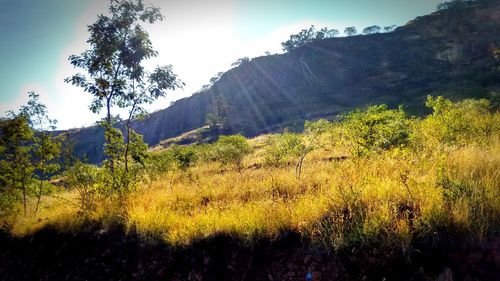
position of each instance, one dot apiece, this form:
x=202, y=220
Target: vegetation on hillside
x=29, y=155
x=115, y=76
x=374, y=173
x=306, y=36
x=374, y=176
x=444, y=53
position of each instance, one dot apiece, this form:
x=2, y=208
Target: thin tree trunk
x=298, y=167
x=127, y=145
x=39, y=196
x=24, y=197
x=108, y=138
x=40, y=187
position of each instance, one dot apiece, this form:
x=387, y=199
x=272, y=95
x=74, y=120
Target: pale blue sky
x=33, y=35
x=199, y=37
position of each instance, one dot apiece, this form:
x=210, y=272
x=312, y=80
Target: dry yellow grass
x=396, y=193
x=56, y=210
x=389, y=195
x=393, y=196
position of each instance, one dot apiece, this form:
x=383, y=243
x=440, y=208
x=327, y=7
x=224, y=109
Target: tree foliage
x=87, y=181
x=372, y=29
x=17, y=169
x=390, y=28
x=217, y=116
x=310, y=140
x=230, y=150
x=376, y=128
x=212, y=81
x=453, y=5
x=350, y=31
x=115, y=76
x=146, y=91
x=457, y=123
x=240, y=61
x=184, y=156
x=158, y=163
x=283, y=149
x=118, y=45
x=306, y=36
x=29, y=152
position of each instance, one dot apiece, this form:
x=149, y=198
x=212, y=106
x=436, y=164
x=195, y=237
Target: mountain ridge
x=447, y=52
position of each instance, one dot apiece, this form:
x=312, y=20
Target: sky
x=199, y=38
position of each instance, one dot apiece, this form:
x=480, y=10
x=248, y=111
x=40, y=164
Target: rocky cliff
x=447, y=53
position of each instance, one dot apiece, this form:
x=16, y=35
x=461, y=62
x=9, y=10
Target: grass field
x=429, y=187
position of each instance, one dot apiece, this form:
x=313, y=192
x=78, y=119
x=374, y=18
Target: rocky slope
x=448, y=53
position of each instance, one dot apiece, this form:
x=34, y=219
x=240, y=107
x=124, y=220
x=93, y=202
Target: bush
x=230, y=150
x=158, y=163
x=286, y=147
x=374, y=129
x=282, y=148
x=457, y=123
x=87, y=180
x=184, y=156
x=137, y=148
x=8, y=200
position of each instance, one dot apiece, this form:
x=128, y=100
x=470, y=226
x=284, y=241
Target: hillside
x=379, y=195
x=369, y=157
x=441, y=53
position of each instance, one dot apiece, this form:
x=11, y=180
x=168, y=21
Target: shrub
x=87, y=180
x=8, y=200
x=374, y=129
x=282, y=148
x=184, y=156
x=310, y=140
x=287, y=147
x=230, y=150
x=137, y=148
x=457, y=123
x=158, y=163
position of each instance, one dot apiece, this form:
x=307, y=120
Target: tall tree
x=28, y=150
x=115, y=75
x=16, y=169
x=118, y=45
x=46, y=146
x=216, y=118
x=145, y=90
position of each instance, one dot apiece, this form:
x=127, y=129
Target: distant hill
x=448, y=53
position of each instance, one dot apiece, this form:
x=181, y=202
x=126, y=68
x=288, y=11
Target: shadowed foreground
x=96, y=253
